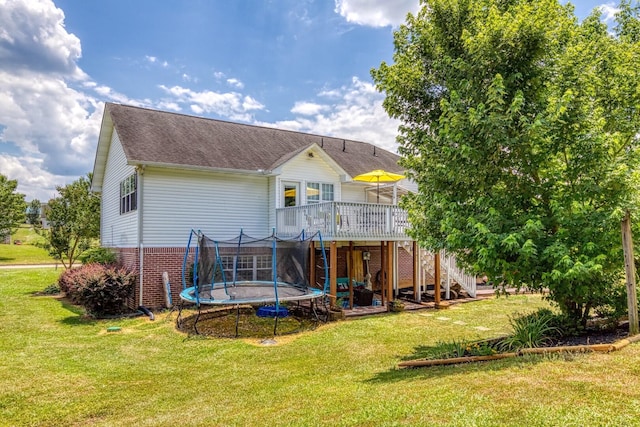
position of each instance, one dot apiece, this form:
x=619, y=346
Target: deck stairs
x=450, y=272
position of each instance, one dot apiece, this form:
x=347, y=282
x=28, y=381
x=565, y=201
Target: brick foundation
x=156, y=261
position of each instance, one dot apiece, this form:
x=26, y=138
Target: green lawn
x=57, y=368
x=27, y=252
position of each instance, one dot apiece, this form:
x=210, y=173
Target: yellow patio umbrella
x=378, y=176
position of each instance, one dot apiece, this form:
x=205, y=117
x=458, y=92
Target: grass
x=27, y=252
x=59, y=368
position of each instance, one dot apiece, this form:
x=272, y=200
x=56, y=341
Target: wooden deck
x=482, y=293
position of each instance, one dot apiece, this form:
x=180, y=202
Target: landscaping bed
x=533, y=333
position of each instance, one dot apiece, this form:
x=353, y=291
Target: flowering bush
x=101, y=289
x=73, y=279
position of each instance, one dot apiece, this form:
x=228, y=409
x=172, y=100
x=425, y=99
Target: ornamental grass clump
x=531, y=330
x=462, y=348
x=100, y=289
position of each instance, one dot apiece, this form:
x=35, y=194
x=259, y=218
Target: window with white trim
x=247, y=267
x=129, y=194
x=318, y=192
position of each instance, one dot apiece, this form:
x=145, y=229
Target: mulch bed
x=593, y=336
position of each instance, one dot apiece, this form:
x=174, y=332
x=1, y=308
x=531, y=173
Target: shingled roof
x=178, y=140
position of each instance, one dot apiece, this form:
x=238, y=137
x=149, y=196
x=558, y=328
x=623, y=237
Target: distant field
x=26, y=252
x=26, y=235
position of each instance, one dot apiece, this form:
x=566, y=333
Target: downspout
x=140, y=169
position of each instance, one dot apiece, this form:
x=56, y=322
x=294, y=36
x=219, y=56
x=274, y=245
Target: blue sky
x=296, y=64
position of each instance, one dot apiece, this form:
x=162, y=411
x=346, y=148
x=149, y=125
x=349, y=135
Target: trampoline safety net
x=251, y=270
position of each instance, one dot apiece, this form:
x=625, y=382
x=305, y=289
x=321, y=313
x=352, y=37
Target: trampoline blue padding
x=249, y=292
x=272, y=311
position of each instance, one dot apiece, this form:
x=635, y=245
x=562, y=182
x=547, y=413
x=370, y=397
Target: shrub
x=72, y=280
x=614, y=307
x=462, y=348
x=396, y=306
x=52, y=289
x=98, y=255
x=100, y=289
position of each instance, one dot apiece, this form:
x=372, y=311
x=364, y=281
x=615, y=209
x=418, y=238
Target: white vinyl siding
x=271, y=204
x=353, y=193
x=220, y=205
x=116, y=230
x=306, y=169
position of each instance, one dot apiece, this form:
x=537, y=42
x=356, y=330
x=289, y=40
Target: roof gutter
x=202, y=168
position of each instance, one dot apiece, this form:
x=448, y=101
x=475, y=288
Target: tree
x=74, y=220
x=520, y=126
x=33, y=213
x=12, y=207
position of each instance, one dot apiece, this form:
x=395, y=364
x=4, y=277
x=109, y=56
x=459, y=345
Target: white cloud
x=308, y=108
x=171, y=106
x=48, y=127
x=376, y=13
x=249, y=104
x=232, y=105
x=110, y=95
x=356, y=113
x=151, y=59
x=33, y=37
x=42, y=115
x=33, y=180
x=609, y=11
x=235, y=83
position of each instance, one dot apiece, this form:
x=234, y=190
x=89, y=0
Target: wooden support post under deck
x=350, y=274
x=391, y=270
x=416, y=271
x=630, y=270
x=436, y=277
x=333, y=271
x=383, y=272
x=312, y=265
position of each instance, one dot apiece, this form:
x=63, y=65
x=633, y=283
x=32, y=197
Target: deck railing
x=344, y=221
x=455, y=273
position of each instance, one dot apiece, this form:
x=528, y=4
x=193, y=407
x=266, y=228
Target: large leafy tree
x=520, y=126
x=12, y=207
x=74, y=221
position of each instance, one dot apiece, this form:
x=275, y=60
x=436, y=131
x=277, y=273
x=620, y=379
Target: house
x=162, y=174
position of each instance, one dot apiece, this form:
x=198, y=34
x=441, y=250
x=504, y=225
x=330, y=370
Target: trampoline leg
x=195, y=323
x=179, y=318
x=314, y=312
x=275, y=326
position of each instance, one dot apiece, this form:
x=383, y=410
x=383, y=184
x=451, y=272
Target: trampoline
x=251, y=271
x=248, y=292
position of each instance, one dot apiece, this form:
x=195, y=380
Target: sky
x=302, y=65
